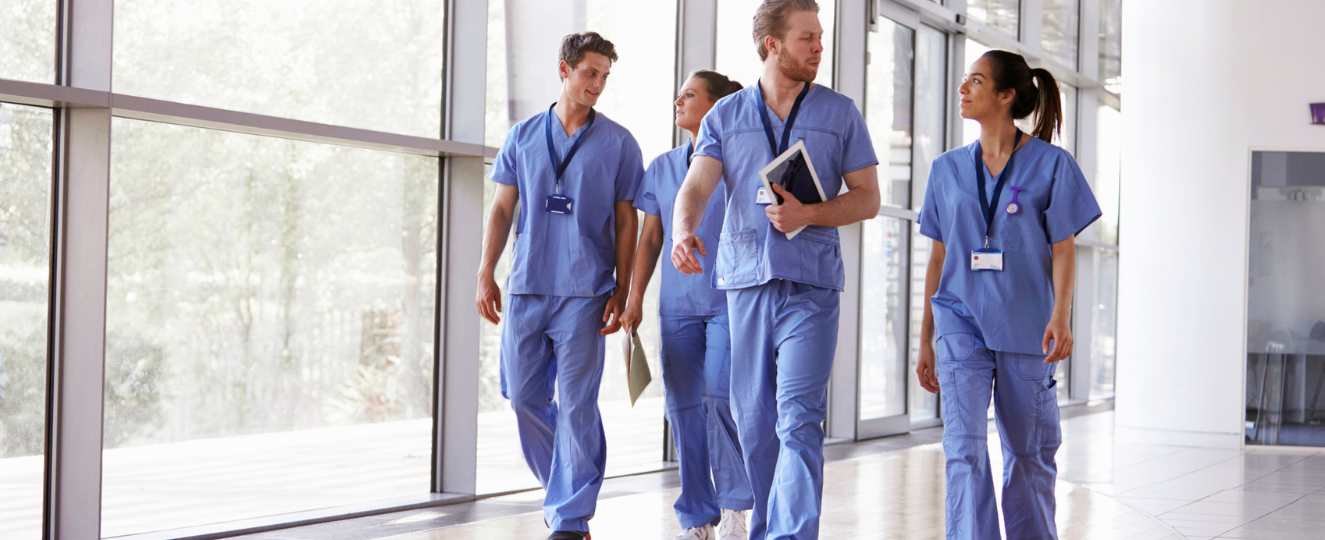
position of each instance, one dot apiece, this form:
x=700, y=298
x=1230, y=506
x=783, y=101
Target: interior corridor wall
x=1205, y=82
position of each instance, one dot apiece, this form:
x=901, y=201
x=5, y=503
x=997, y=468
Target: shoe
x=733, y=526
x=696, y=533
x=569, y=535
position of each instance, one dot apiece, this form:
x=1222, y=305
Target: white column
x=1182, y=329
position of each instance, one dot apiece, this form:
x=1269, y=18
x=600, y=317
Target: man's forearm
x=627, y=226
x=701, y=180
x=646, y=258
x=494, y=243
x=853, y=206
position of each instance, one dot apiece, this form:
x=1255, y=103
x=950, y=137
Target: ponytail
x=719, y=85
x=1036, y=91
x=1048, y=105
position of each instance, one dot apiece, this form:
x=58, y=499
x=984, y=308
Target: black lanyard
x=990, y=208
x=557, y=165
x=791, y=119
x=690, y=153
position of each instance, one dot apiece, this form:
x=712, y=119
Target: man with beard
x=782, y=294
x=574, y=173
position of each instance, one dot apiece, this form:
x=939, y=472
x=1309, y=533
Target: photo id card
x=761, y=197
x=987, y=261
x=559, y=204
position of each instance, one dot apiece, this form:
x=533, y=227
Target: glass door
x=906, y=114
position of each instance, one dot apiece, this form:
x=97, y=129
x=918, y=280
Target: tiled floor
x=892, y=488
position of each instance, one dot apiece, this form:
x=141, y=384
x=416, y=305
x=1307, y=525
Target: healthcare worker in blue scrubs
x=782, y=295
x=1004, y=213
x=574, y=173
x=696, y=340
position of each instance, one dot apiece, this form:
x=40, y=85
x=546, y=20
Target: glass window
x=1111, y=45
x=1062, y=24
x=931, y=99
x=27, y=44
x=1002, y=15
x=888, y=107
x=1108, y=174
x=25, y=207
x=269, y=326
x=737, y=52
x=883, y=340
x=1104, y=324
x=371, y=65
x=883, y=361
x=639, y=95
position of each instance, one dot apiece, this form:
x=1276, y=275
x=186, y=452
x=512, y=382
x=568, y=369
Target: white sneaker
x=733, y=525
x=696, y=533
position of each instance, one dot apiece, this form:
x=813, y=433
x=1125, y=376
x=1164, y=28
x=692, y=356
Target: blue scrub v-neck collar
x=559, y=135
x=780, y=123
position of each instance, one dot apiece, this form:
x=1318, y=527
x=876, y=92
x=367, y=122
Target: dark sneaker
x=569, y=535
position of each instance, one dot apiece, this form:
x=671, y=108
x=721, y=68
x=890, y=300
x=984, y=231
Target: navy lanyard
x=791, y=119
x=558, y=165
x=990, y=208
x=690, y=153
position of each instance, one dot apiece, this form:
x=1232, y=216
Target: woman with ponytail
x=1004, y=213
x=696, y=340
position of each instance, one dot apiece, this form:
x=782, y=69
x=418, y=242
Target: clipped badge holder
x=987, y=260
x=559, y=204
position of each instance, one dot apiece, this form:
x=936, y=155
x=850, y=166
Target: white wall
x=1204, y=82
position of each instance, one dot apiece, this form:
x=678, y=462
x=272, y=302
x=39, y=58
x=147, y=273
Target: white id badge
x=761, y=197
x=987, y=261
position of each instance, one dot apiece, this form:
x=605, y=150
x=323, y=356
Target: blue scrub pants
x=551, y=340
x=1026, y=407
x=696, y=370
x=784, y=335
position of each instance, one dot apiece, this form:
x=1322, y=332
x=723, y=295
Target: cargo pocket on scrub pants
x=949, y=349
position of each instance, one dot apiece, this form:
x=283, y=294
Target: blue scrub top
x=681, y=294
x=567, y=254
x=1009, y=309
x=751, y=252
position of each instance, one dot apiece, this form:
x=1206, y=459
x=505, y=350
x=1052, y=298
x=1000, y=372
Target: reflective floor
x=892, y=488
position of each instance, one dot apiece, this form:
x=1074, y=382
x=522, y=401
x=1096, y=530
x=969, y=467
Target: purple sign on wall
x=1318, y=113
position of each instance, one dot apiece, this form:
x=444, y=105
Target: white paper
x=799, y=147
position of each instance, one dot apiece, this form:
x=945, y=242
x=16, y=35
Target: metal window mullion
x=696, y=43
x=1031, y=23
x=851, y=31
x=456, y=380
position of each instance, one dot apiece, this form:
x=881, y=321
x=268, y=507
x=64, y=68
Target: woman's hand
x=1060, y=333
x=929, y=380
x=631, y=317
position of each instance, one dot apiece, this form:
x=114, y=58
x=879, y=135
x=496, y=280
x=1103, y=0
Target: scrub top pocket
x=738, y=259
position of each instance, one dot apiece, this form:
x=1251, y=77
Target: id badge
x=761, y=197
x=559, y=204
x=987, y=260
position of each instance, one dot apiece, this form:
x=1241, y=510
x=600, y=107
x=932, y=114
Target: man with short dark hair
x=782, y=293
x=574, y=174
